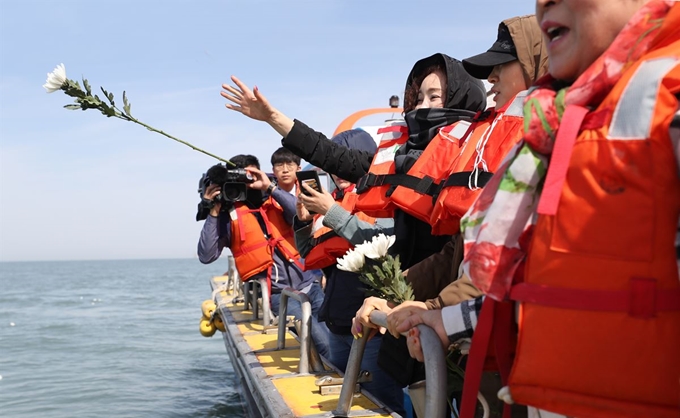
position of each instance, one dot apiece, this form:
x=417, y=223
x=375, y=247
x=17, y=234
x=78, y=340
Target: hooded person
x=328, y=235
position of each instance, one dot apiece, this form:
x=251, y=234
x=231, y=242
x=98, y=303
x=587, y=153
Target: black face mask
x=423, y=125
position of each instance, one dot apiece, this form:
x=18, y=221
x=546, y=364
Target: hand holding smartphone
x=311, y=179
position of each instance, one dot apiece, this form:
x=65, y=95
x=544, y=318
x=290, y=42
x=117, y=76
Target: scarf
x=423, y=125
x=498, y=226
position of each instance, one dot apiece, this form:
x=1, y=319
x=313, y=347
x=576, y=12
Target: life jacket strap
x=642, y=299
x=426, y=185
x=461, y=179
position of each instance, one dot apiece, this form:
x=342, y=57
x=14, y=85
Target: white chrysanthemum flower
x=378, y=246
x=55, y=79
x=352, y=261
x=362, y=248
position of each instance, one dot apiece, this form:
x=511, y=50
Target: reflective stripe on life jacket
x=327, y=245
x=252, y=247
x=373, y=187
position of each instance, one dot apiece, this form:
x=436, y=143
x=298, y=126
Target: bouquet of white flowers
x=379, y=270
x=84, y=99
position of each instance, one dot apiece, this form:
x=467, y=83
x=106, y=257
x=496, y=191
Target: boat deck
x=270, y=383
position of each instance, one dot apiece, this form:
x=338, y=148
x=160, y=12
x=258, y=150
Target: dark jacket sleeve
x=316, y=149
x=435, y=279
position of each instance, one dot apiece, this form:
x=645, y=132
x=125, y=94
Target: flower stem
x=122, y=115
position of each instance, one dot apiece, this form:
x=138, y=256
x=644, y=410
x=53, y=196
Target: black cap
x=502, y=51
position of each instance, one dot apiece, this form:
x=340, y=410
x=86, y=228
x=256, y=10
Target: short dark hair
x=284, y=155
x=243, y=161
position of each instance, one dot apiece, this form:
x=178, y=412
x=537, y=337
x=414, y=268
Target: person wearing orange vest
x=259, y=233
x=584, y=242
x=329, y=235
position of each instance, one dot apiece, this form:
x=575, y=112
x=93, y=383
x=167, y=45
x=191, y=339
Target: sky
x=76, y=185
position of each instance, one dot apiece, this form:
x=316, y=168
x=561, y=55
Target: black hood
x=462, y=90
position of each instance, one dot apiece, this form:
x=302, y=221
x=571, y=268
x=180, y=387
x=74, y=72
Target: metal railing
x=435, y=370
x=308, y=353
x=250, y=292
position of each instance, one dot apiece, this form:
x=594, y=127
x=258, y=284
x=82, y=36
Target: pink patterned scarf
x=498, y=226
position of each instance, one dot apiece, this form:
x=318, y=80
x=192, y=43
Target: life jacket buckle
x=369, y=180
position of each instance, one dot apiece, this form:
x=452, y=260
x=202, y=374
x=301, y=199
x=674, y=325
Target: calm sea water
x=111, y=339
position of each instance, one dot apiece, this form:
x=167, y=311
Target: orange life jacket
x=251, y=246
x=481, y=156
x=599, y=319
x=373, y=187
x=327, y=245
x=417, y=188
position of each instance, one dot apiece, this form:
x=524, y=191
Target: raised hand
x=254, y=105
x=246, y=101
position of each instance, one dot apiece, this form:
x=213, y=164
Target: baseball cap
x=501, y=52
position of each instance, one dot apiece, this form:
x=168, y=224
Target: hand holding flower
x=382, y=272
x=361, y=319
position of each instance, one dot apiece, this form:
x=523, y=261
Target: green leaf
x=72, y=107
x=88, y=89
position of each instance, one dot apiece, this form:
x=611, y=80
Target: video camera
x=232, y=184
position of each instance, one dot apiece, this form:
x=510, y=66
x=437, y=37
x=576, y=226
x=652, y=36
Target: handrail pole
x=435, y=369
x=351, y=376
x=266, y=307
x=246, y=294
x=305, y=338
x=283, y=313
x=435, y=372
x=253, y=299
x=306, y=325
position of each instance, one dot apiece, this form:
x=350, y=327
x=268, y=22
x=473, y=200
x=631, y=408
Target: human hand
x=315, y=202
x=361, y=320
x=260, y=179
x=302, y=212
x=401, y=312
x=431, y=318
x=211, y=193
x=248, y=102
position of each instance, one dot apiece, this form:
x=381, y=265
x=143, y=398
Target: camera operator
x=258, y=231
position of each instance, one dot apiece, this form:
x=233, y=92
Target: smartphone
x=311, y=179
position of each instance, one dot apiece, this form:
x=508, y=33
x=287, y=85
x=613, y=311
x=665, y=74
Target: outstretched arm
x=314, y=147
